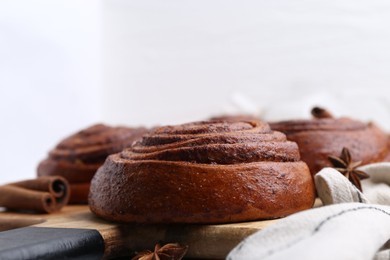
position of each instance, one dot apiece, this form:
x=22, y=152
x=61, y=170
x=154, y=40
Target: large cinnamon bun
x=203, y=172
x=78, y=156
x=325, y=135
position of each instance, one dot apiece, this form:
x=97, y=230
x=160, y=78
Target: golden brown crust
x=205, y=172
x=78, y=156
x=319, y=138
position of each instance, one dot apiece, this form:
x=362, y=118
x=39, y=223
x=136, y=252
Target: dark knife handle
x=51, y=243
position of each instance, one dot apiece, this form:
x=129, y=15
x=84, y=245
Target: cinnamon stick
x=319, y=112
x=44, y=194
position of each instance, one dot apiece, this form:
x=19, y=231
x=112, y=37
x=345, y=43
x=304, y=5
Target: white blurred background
x=67, y=64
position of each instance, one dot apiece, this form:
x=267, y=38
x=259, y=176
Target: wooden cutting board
x=75, y=232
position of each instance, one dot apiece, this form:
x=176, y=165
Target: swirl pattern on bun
x=203, y=172
x=324, y=135
x=78, y=156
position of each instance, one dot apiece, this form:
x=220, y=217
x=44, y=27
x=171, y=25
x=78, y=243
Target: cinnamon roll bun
x=78, y=156
x=203, y=172
x=235, y=118
x=325, y=135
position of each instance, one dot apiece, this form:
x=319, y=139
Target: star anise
x=345, y=166
x=172, y=251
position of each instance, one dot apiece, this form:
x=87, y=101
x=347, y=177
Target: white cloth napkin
x=351, y=225
x=332, y=187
